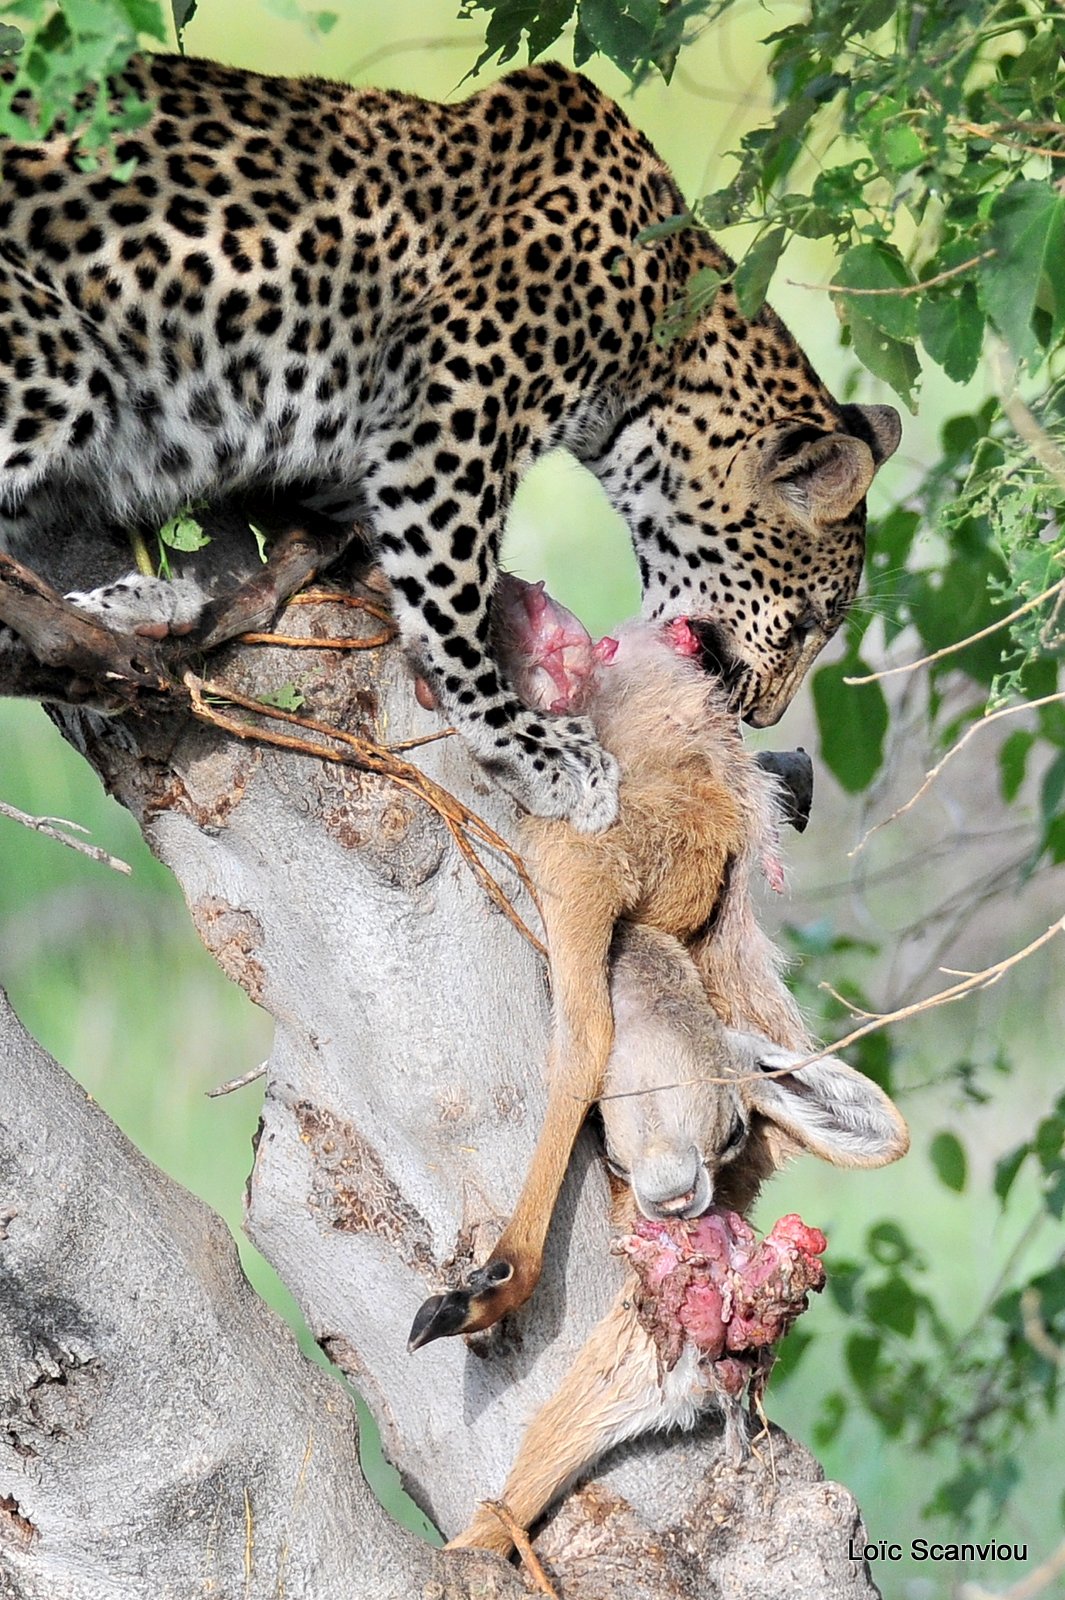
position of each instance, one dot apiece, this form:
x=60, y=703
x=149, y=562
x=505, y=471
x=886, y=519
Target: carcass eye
x=617, y=1169
x=737, y=1134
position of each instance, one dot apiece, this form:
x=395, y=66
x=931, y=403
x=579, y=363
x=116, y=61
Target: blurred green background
x=108, y=974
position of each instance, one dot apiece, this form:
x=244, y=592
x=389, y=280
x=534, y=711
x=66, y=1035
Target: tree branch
x=404, y=1093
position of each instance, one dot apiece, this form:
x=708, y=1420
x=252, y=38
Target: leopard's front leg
x=438, y=548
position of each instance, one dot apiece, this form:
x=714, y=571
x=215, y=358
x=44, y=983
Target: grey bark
x=403, y=1098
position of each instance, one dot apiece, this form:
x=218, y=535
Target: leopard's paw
x=556, y=768
x=150, y=607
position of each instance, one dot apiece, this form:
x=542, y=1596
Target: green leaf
x=1013, y=761
x=879, y=270
x=183, y=13
x=680, y=317
x=1048, y=1141
x=755, y=270
x=887, y=358
x=1054, y=1198
x=853, y=720
x=662, y=230
x=511, y=21
x=1052, y=788
x=11, y=40
x=862, y=1355
x=261, y=541
x=888, y=1245
x=843, y=1281
x=891, y=138
x=1028, y=237
x=1007, y=1168
x=145, y=16
x=1052, y=844
x=183, y=532
x=948, y=1158
x=287, y=698
x=621, y=30
x=834, y=1410
x=951, y=324
x=790, y=1353
x=893, y=1304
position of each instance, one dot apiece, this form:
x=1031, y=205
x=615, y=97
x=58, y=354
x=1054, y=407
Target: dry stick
x=1033, y=1583
x=931, y=776
x=312, y=597
x=520, y=1539
x=995, y=134
x=1045, y=449
x=1035, y=1329
x=238, y=1083
x=877, y=1020
x=296, y=641
x=337, y=597
x=371, y=757
x=903, y=289
x=51, y=828
x=962, y=644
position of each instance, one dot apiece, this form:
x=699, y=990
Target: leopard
x=385, y=309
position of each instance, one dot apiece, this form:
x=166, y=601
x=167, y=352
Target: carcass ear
x=829, y=1109
x=879, y=426
x=822, y=475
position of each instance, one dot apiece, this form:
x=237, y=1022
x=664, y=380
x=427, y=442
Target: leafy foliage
x=936, y=130
x=636, y=35
x=1003, y=1367
x=65, y=51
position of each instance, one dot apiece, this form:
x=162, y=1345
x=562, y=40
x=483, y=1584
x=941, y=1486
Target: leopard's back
x=289, y=270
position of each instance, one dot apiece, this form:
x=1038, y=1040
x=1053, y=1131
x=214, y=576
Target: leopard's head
x=753, y=530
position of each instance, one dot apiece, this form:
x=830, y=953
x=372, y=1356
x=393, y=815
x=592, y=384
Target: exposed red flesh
x=711, y=1283
x=681, y=637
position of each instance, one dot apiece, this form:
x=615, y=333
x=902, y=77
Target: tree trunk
x=165, y=1429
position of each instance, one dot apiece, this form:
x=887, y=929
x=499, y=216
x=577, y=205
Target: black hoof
x=462, y=1310
x=440, y=1317
x=795, y=771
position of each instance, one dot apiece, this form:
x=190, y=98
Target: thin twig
x=931, y=776
x=238, y=1083
x=1035, y=1329
x=1027, y=427
x=52, y=828
x=877, y=1020
x=529, y=1558
x=903, y=289
x=249, y=1540
x=297, y=641
x=339, y=597
x=372, y=757
x=312, y=597
x=962, y=644
x=423, y=738
x=995, y=134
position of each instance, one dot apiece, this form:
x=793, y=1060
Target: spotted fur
x=390, y=308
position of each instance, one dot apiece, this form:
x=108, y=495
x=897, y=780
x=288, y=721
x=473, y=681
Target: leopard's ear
x=880, y=427
x=822, y=476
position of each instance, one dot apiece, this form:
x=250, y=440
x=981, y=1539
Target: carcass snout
x=672, y=1183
